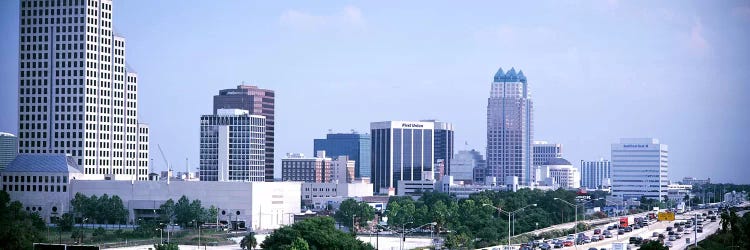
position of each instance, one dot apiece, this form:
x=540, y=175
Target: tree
x=168, y=246
x=167, y=211
x=20, y=229
x=653, y=245
x=248, y=241
x=318, y=232
x=299, y=244
x=66, y=222
x=353, y=211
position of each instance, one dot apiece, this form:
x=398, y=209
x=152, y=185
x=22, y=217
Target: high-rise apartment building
x=8, y=149
x=464, y=164
x=510, y=129
x=259, y=102
x=232, y=146
x=354, y=145
x=595, y=174
x=640, y=168
x=545, y=151
x=402, y=150
x=76, y=94
x=297, y=167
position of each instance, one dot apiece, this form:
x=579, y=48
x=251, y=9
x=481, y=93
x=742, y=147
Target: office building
x=559, y=173
x=510, y=129
x=77, y=95
x=312, y=190
x=8, y=149
x=402, y=150
x=297, y=167
x=259, y=102
x=544, y=151
x=640, y=168
x=443, y=146
x=695, y=181
x=464, y=164
x=354, y=145
x=342, y=169
x=232, y=146
x=595, y=174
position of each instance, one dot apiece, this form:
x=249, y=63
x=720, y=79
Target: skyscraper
x=402, y=150
x=443, y=144
x=76, y=94
x=640, y=168
x=464, y=164
x=594, y=174
x=232, y=146
x=510, y=128
x=8, y=149
x=354, y=145
x=259, y=102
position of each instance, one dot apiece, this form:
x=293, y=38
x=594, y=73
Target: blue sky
x=598, y=70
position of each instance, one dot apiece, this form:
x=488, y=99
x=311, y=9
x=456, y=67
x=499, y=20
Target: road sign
x=665, y=216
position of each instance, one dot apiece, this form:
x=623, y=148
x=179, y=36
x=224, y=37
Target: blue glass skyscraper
x=354, y=145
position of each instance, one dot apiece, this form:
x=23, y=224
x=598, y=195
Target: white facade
x=560, y=173
x=595, y=174
x=640, y=168
x=8, y=149
x=76, y=94
x=677, y=192
x=232, y=146
x=464, y=163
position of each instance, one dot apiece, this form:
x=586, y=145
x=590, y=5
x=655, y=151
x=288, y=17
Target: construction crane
x=169, y=168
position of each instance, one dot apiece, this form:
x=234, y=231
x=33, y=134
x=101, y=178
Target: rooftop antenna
x=330, y=131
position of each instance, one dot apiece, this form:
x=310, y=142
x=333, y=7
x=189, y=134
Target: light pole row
x=509, y=215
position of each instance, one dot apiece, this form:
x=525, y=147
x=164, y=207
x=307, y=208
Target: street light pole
x=509, y=216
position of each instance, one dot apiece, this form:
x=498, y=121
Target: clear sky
x=598, y=70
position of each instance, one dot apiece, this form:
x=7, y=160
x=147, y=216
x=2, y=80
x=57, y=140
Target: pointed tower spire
x=499, y=75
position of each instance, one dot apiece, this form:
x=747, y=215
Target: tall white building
x=76, y=94
x=640, y=168
x=232, y=146
x=8, y=149
x=510, y=129
x=595, y=174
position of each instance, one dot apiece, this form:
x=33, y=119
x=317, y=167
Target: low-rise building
x=311, y=190
x=297, y=167
x=47, y=183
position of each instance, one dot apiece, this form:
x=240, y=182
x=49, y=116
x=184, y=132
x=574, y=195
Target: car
x=593, y=248
x=595, y=238
x=669, y=229
x=597, y=231
x=586, y=240
x=700, y=230
x=601, y=237
x=609, y=228
x=621, y=231
x=628, y=229
x=671, y=233
x=636, y=226
x=544, y=246
x=689, y=225
x=672, y=238
x=655, y=234
x=678, y=236
x=608, y=235
x=568, y=243
x=680, y=229
x=668, y=244
x=636, y=240
x=558, y=244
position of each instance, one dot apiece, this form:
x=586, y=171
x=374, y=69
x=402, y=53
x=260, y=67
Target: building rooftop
x=46, y=163
x=557, y=161
x=7, y=134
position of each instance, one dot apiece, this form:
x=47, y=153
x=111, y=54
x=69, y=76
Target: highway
x=659, y=227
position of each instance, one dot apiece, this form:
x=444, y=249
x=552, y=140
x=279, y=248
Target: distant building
x=8, y=149
x=640, y=168
x=311, y=190
x=443, y=145
x=695, y=181
x=354, y=145
x=232, y=146
x=297, y=167
x=559, y=173
x=464, y=164
x=480, y=174
x=510, y=128
x=544, y=151
x=342, y=170
x=594, y=174
x=258, y=102
x=403, y=150
x=677, y=192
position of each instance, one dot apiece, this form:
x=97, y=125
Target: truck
x=626, y=221
x=680, y=208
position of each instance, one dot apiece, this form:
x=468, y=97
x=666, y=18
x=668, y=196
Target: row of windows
x=35, y=188
x=35, y=179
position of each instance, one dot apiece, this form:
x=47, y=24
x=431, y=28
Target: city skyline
x=687, y=64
